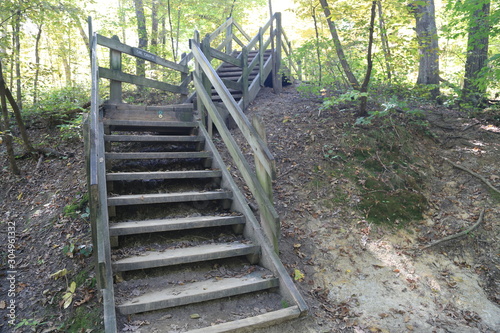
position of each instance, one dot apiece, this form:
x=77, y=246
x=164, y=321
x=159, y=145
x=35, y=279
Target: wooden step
x=162, y=225
x=253, y=323
x=184, y=256
x=143, y=199
x=153, y=138
x=114, y=176
x=155, y=155
x=159, y=123
x=197, y=292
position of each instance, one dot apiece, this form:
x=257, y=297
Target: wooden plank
x=253, y=323
x=149, y=226
x=155, y=155
x=134, y=123
x=142, y=199
x=153, y=138
x=222, y=27
x=253, y=231
x=187, y=255
x=197, y=292
x=241, y=30
x=138, y=80
x=265, y=205
x=150, y=115
x=118, y=46
x=163, y=175
x=224, y=57
x=258, y=147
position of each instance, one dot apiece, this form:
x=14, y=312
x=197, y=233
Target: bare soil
x=356, y=275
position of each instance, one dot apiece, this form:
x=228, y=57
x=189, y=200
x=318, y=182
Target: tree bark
x=427, y=37
x=17, y=45
x=338, y=47
x=5, y=127
x=477, y=51
x=37, y=63
x=318, y=51
x=143, y=36
x=364, y=86
x=385, y=41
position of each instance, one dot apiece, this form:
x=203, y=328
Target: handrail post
x=279, y=81
x=205, y=48
x=183, y=77
x=229, y=38
x=115, y=63
x=261, y=58
x=271, y=228
x=244, y=76
x=198, y=71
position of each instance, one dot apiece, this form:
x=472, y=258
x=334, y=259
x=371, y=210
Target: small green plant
x=348, y=97
x=28, y=322
x=78, y=208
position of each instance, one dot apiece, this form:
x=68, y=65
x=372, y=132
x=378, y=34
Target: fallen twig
x=460, y=234
x=484, y=180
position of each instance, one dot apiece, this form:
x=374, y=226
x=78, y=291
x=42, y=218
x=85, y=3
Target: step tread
x=197, y=292
x=157, y=155
x=138, y=199
x=184, y=255
x=162, y=225
x=252, y=323
x=153, y=138
x=159, y=123
x=163, y=175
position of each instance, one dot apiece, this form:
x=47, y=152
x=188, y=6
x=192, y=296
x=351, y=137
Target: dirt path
x=362, y=277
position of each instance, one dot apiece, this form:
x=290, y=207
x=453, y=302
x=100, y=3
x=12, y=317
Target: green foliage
x=77, y=208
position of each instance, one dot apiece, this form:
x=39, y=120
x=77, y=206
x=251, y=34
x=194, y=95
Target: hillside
x=357, y=205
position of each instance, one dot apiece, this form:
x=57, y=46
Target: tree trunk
x=364, y=86
x=428, y=70
x=154, y=26
x=170, y=23
x=17, y=45
x=143, y=36
x=477, y=51
x=5, y=127
x=385, y=41
x=37, y=63
x=318, y=51
x=338, y=47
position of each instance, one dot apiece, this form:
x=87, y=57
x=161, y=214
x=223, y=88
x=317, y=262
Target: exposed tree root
x=484, y=180
x=460, y=234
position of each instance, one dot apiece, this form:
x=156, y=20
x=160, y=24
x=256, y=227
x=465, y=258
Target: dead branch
x=484, y=180
x=460, y=234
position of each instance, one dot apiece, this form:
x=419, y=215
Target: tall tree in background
x=474, y=88
x=428, y=46
x=143, y=35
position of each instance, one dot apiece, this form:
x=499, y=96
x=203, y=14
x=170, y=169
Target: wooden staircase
x=178, y=248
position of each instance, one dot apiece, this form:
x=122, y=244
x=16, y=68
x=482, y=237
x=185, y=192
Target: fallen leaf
x=195, y=316
x=3, y=305
x=59, y=274
x=298, y=275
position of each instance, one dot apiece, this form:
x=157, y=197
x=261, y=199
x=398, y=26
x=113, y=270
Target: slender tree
x=143, y=35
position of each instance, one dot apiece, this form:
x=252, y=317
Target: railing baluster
x=115, y=63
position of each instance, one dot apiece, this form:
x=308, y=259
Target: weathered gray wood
x=124, y=48
x=184, y=256
x=265, y=205
x=221, y=28
x=97, y=179
x=258, y=147
x=115, y=63
x=142, y=199
x=272, y=231
x=163, y=155
x=245, y=75
x=197, y=292
x=149, y=226
x=279, y=46
x=163, y=175
x=253, y=231
x=150, y=115
x=224, y=57
x=240, y=29
x=138, y=80
x=153, y=138
x=139, y=124
x=251, y=324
